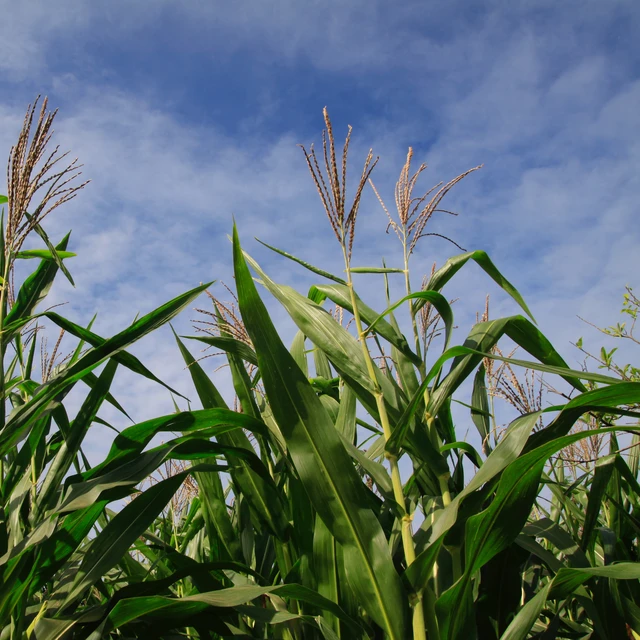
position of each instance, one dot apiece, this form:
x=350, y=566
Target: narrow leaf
x=306, y=265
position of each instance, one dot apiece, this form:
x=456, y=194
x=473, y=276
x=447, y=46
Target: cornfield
x=338, y=497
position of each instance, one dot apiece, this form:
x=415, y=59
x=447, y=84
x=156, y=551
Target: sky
x=187, y=115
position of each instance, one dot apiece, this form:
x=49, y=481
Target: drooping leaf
x=453, y=265
x=53, y=251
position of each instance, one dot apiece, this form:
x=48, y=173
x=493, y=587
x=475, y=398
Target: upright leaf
x=322, y=463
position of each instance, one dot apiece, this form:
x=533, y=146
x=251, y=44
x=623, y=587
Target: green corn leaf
x=491, y=531
x=346, y=420
x=242, y=384
x=29, y=365
x=478, y=345
x=90, y=379
x=2, y=246
x=375, y=270
x=320, y=360
x=483, y=337
x=298, y=352
x=377, y=471
x=121, y=532
x=260, y=492
x=306, y=265
x=597, y=491
x=323, y=465
x=433, y=297
x=130, y=609
x=216, y=514
x=340, y=347
x=80, y=346
x=520, y=626
x=115, y=484
x=486, y=535
x=68, y=536
x=34, y=289
x=189, y=568
x=77, y=432
x=53, y=252
x=44, y=254
x=453, y=265
x=480, y=414
x=567, y=580
x=326, y=570
x=523, y=470
x=132, y=441
x=614, y=396
x=304, y=519
x=122, y=357
x=529, y=544
x=468, y=449
x=340, y=295
x=559, y=538
x=230, y=345
x=209, y=395
x=21, y=418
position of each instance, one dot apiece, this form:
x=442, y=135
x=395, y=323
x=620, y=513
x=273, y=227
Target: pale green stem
x=492, y=410
x=432, y=625
x=430, y=610
x=456, y=562
x=396, y=481
x=414, y=323
x=3, y=302
x=174, y=528
x=288, y=562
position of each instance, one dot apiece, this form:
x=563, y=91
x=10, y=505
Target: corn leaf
x=323, y=464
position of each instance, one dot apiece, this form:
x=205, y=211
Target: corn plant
x=336, y=497
x=59, y=544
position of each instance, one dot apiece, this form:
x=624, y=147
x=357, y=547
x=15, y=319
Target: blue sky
x=188, y=113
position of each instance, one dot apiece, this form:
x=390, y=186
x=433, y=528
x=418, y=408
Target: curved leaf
x=453, y=265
